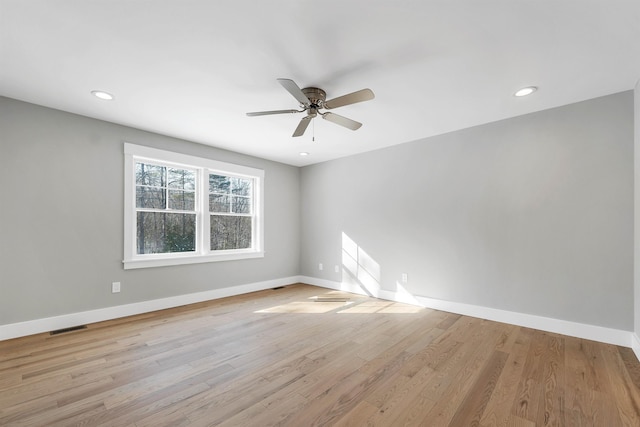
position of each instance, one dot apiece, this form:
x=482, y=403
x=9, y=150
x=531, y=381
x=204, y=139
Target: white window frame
x=203, y=167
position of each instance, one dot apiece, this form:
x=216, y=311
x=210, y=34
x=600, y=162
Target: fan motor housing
x=316, y=95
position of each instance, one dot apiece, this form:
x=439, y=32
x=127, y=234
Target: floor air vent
x=65, y=330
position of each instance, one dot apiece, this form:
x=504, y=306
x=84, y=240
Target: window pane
x=218, y=203
x=230, y=232
x=241, y=187
x=182, y=200
x=151, y=198
x=150, y=175
x=181, y=178
x=219, y=184
x=242, y=205
x=159, y=232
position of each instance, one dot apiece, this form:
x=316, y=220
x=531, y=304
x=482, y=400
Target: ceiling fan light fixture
x=105, y=96
x=525, y=91
x=303, y=153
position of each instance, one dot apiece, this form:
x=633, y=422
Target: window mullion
x=166, y=188
x=203, y=211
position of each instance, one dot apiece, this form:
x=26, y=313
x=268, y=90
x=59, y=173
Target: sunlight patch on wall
x=361, y=268
x=403, y=295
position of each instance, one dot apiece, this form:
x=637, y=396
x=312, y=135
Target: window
x=182, y=209
x=230, y=212
x=165, y=209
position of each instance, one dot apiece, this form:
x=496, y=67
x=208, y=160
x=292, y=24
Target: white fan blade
x=352, y=98
x=267, y=113
x=302, y=126
x=342, y=121
x=294, y=90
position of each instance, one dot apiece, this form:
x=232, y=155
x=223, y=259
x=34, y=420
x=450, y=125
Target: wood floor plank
x=415, y=411
x=272, y=411
x=229, y=404
x=396, y=399
x=552, y=407
x=515, y=421
x=354, y=418
x=299, y=356
x=623, y=385
x=460, y=380
x=471, y=409
x=330, y=406
x=498, y=410
x=529, y=393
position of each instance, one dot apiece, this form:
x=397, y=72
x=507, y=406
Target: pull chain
x=313, y=136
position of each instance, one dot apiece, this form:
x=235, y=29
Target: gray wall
x=533, y=214
x=61, y=218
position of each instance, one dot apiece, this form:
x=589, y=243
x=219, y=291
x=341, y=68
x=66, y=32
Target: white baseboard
x=591, y=332
x=635, y=344
x=21, y=329
x=564, y=327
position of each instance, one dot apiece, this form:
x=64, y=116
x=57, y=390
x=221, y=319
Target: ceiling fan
x=313, y=99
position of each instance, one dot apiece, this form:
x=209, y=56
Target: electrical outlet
x=115, y=287
x=320, y=266
x=336, y=269
x=405, y=278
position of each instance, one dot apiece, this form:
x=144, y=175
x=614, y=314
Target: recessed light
x=303, y=153
x=102, y=95
x=526, y=91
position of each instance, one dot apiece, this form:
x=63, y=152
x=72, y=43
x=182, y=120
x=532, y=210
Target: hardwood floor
x=279, y=357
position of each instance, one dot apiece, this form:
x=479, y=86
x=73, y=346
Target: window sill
x=194, y=259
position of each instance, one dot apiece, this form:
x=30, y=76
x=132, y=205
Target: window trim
x=131, y=260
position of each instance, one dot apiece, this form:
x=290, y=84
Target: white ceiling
x=193, y=68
